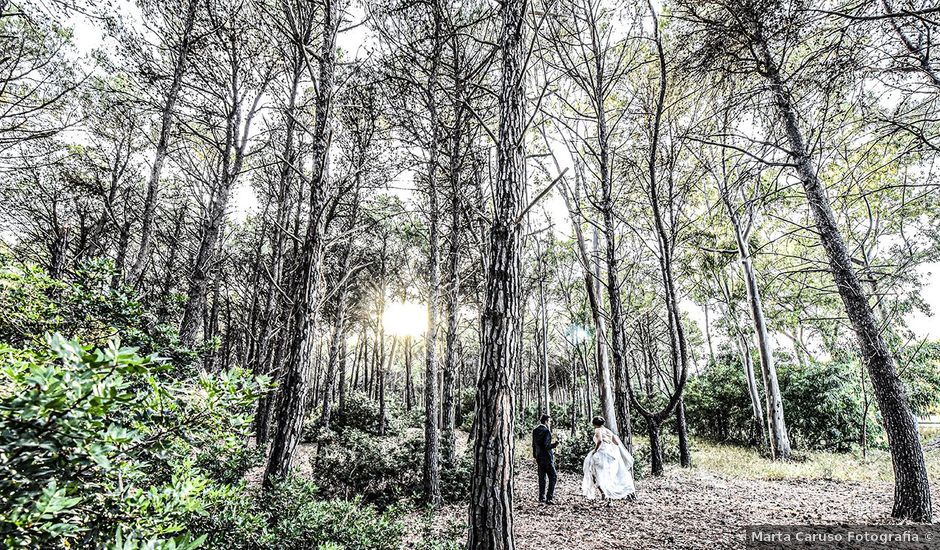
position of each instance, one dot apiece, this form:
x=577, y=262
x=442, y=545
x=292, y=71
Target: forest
x=324, y=273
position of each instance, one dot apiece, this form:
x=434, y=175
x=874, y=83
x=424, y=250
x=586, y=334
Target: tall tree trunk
x=752, y=391
x=432, y=458
x=293, y=397
x=608, y=399
x=708, y=335
x=409, y=377
x=491, y=520
x=544, y=388
x=341, y=391
x=678, y=346
x=267, y=355
x=167, y=113
x=448, y=437
x=592, y=283
x=779, y=440
x=911, y=485
x=618, y=341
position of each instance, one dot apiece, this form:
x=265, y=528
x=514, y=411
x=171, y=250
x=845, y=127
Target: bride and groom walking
x=609, y=467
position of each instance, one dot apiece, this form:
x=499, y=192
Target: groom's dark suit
x=542, y=451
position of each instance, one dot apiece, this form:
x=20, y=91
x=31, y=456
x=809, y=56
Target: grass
x=747, y=463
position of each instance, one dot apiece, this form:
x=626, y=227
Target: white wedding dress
x=609, y=468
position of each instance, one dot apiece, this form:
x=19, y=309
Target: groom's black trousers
x=547, y=472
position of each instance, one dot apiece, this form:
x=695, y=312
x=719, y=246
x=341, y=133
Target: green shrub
x=383, y=470
x=86, y=308
x=299, y=520
x=293, y=516
x=717, y=404
x=455, y=478
x=96, y=439
x=822, y=405
x=570, y=453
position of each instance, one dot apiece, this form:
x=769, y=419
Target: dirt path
x=687, y=510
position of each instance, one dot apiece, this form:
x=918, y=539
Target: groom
x=542, y=451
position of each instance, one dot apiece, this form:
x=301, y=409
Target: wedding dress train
x=609, y=468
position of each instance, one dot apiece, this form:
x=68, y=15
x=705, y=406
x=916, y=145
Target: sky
x=88, y=37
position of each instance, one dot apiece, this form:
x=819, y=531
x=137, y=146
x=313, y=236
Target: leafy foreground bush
x=96, y=445
x=86, y=307
x=291, y=516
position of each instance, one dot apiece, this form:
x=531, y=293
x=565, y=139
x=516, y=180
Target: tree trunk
x=656, y=447
x=911, y=486
x=708, y=335
x=341, y=397
x=752, y=391
x=432, y=458
x=682, y=431
x=779, y=440
x=409, y=380
x=491, y=519
x=163, y=140
x=546, y=397
x=292, y=399
x=448, y=438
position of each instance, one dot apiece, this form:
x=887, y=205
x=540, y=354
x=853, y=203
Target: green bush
x=383, y=470
x=292, y=515
x=86, y=308
x=299, y=520
x=919, y=368
x=570, y=453
x=93, y=440
x=822, y=405
x=455, y=478
x=717, y=404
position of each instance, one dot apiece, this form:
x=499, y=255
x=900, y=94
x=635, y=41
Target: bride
x=608, y=467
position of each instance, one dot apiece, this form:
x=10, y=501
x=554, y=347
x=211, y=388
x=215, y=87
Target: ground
x=691, y=509
x=705, y=507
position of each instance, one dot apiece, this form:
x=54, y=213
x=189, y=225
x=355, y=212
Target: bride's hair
x=598, y=421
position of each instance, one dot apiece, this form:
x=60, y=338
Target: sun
x=405, y=319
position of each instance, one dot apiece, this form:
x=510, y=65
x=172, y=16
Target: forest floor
x=701, y=508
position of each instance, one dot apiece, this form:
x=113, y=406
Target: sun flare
x=405, y=319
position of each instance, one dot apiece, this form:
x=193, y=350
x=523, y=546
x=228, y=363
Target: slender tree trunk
x=656, y=447
x=682, y=432
x=409, y=377
x=341, y=397
x=678, y=347
x=546, y=398
x=168, y=111
x=608, y=401
x=491, y=519
x=448, y=438
x=779, y=440
x=293, y=397
x=752, y=391
x=708, y=335
x=432, y=452
x=911, y=487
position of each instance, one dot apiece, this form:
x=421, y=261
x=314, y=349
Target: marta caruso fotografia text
x=842, y=536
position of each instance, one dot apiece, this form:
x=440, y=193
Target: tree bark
x=163, y=140
x=292, y=399
x=911, y=487
x=491, y=518
x=779, y=440
x=432, y=458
